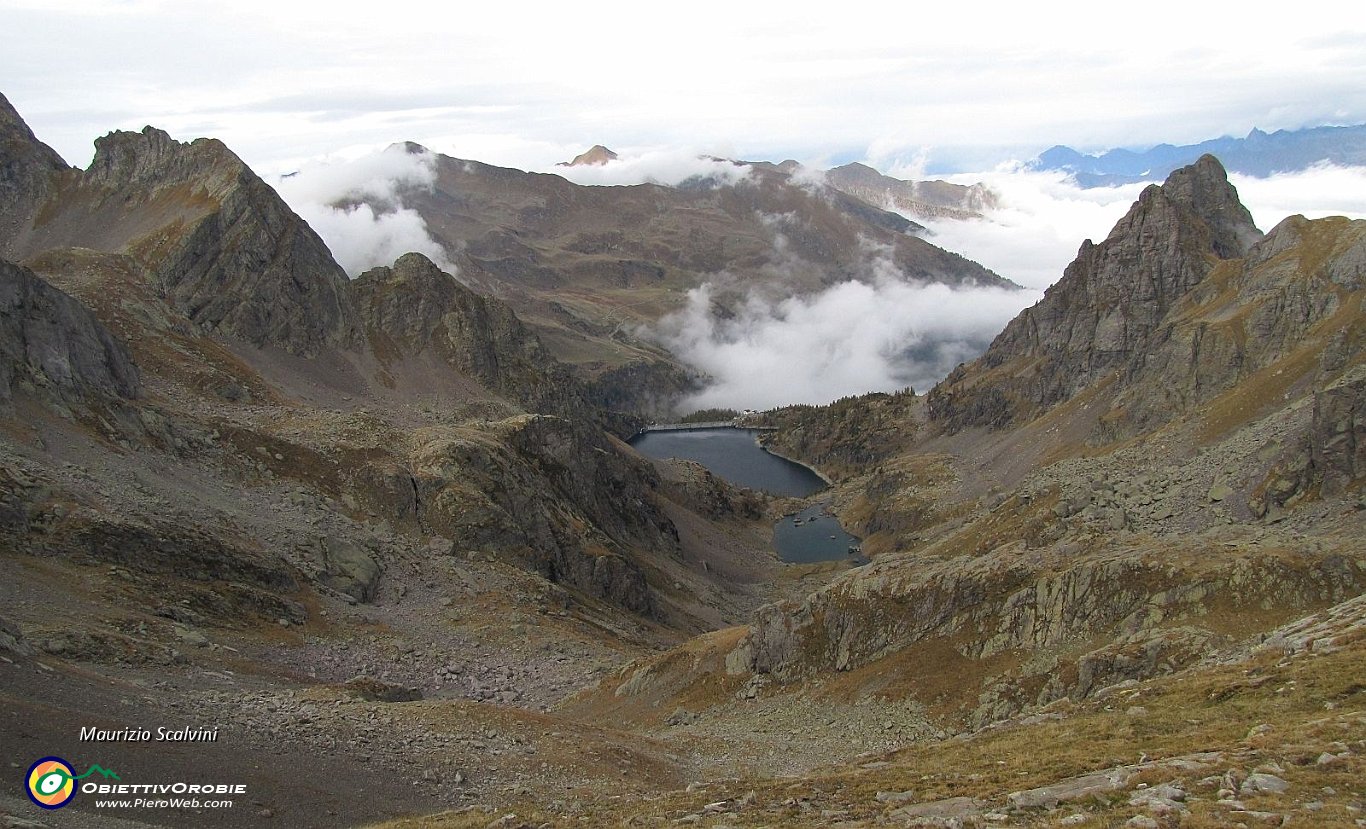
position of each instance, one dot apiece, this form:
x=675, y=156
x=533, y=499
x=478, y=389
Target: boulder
x=350, y=569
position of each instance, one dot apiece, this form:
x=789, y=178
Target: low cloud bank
x=667, y=167
x=1322, y=190
x=852, y=338
x=356, y=207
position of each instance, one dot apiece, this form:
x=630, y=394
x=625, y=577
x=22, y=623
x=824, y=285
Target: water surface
x=814, y=535
x=734, y=455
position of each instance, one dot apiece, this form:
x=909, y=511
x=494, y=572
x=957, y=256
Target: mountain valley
x=384, y=533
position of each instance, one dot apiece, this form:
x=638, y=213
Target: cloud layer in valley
x=356, y=206
x=855, y=337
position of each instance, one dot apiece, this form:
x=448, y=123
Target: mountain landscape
x=1257, y=154
x=384, y=534
x=589, y=267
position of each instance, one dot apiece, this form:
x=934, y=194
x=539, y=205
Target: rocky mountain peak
x=406, y=301
x=224, y=247
x=122, y=156
x=1204, y=189
x=1109, y=301
x=596, y=155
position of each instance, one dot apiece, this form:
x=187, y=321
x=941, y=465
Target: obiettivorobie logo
x=52, y=781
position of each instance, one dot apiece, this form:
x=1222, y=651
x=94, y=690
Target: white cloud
x=855, y=337
x=669, y=167
x=336, y=197
x=1323, y=190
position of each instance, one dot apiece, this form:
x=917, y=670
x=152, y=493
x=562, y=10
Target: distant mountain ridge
x=1258, y=154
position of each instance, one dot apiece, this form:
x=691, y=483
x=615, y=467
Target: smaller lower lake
x=814, y=535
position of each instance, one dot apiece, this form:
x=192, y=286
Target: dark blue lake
x=734, y=455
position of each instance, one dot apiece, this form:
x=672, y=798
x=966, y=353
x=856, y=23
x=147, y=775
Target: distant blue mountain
x=1259, y=154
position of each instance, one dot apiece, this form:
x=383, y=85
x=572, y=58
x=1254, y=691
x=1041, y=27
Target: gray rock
x=350, y=569
x=191, y=637
x=1071, y=791
x=941, y=811
x=1108, y=304
x=27, y=169
x=1262, y=783
x=682, y=716
x=52, y=343
x=12, y=639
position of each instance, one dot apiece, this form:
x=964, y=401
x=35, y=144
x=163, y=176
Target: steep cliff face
x=50, y=343
x=431, y=412
x=222, y=245
x=1286, y=314
x=1110, y=300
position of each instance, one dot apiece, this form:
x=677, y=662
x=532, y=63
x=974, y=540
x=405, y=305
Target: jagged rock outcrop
x=50, y=343
x=1284, y=310
x=222, y=245
x=12, y=639
x=414, y=307
x=852, y=433
x=1101, y=315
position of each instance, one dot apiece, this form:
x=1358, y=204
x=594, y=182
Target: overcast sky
x=527, y=84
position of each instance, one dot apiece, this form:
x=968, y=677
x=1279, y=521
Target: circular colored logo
x=51, y=782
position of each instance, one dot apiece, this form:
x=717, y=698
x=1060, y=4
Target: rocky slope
x=392, y=543
x=28, y=169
